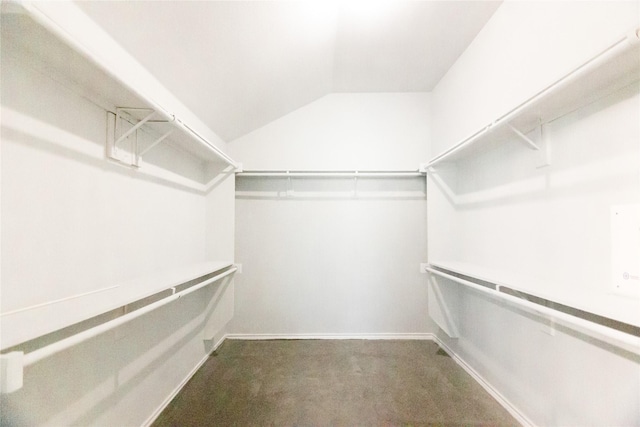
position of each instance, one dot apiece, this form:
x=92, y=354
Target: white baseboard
x=179, y=387
x=512, y=409
x=499, y=397
x=384, y=336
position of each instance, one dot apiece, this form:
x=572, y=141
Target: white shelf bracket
x=134, y=128
x=156, y=142
x=114, y=136
x=355, y=185
x=524, y=138
x=289, y=185
x=11, y=371
x=545, y=146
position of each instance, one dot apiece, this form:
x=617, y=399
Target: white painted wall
x=73, y=222
x=342, y=131
x=322, y=262
x=543, y=229
x=553, y=380
x=524, y=47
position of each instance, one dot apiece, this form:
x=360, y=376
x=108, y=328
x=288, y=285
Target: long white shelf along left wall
x=77, y=59
x=72, y=49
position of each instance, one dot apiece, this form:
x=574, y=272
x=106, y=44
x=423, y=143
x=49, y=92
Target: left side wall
x=74, y=222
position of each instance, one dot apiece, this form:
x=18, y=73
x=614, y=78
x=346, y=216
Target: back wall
x=332, y=257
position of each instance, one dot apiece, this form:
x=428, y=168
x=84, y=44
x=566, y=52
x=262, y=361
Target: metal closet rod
x=330, y=173
x=44, y=352
x=611, y=336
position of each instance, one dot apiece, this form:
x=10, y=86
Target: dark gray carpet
x=332, y=382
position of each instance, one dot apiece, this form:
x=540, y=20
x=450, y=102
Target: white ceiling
x=239, y=65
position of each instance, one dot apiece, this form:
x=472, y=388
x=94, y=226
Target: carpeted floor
x=332, y=382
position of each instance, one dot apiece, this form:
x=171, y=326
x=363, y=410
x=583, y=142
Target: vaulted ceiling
x=239, y=65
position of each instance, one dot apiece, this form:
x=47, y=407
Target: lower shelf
x=15, y=359
x=624, y=334
x=30, y=323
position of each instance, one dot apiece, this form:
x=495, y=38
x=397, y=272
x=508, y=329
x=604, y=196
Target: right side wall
x=549, y=225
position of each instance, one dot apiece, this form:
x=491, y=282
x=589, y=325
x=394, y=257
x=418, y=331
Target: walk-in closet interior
x=320, y=213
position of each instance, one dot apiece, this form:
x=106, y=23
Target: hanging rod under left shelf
x=13, y=362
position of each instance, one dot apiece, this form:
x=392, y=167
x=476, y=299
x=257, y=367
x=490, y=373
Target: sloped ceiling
x=239, y=65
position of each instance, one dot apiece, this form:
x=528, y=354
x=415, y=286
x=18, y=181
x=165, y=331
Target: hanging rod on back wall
x=329, y=174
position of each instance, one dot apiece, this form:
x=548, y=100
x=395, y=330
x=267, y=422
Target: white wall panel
x=525, y=46
x=547, y=230
x=73, y=222
x=323, y=261
x=330, y=267
x=341, y=131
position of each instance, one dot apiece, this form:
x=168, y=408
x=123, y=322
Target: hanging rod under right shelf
x=628, y=339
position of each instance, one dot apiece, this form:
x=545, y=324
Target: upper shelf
x=612, y=69
x=68, y=46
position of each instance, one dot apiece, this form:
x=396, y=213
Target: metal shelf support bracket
x=545, y=146
x=116, y=137
x=134, y=128
x=289, y=185
x=156, y=142
x=11, y=371
x=524, y=138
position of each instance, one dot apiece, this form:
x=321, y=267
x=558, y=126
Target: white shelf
x=606, y=304
x=612, y=69
x=22, y=325
x=64, y=43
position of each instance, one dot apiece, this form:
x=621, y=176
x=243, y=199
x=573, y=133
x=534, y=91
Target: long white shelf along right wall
x=543, y=229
